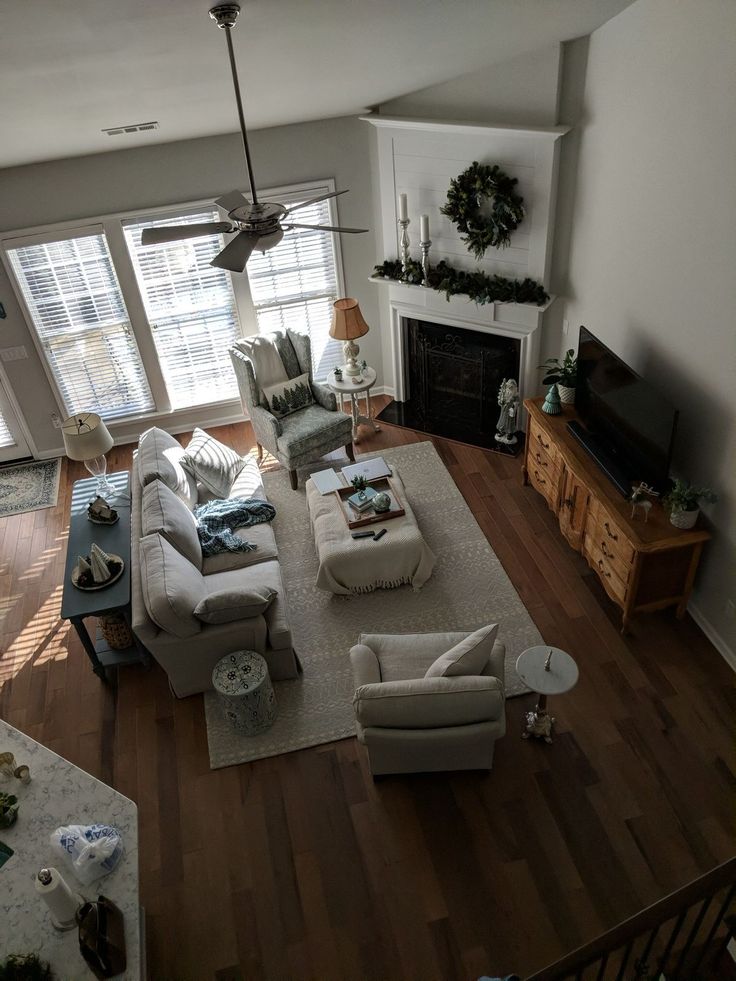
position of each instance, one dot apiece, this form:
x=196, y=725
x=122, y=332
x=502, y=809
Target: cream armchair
x=410, y=723
x=300, y=437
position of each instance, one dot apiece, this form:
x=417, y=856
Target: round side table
x=355, y=385
x=244, y=689
x=547, y=671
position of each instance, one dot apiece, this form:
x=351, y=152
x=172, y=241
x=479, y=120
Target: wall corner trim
x=728, y=655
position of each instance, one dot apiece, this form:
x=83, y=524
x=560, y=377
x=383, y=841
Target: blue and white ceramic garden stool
x=244, y=689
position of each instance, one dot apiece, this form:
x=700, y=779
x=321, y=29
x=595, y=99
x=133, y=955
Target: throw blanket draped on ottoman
x=216, y=520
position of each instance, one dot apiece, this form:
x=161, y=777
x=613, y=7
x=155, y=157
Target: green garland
x=464, y=202
x=477, y=285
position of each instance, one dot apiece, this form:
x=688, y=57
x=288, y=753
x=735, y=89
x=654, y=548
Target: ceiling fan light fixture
x=225, y=14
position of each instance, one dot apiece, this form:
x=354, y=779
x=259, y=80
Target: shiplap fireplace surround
x=419, y=157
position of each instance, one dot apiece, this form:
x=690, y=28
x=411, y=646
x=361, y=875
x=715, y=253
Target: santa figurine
x=508, y=399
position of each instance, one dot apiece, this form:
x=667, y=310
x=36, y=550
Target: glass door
x=12, y=443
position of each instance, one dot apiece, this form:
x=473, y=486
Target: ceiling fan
x=258, y=224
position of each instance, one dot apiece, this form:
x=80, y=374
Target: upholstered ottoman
x=348, y=565
x=244, y=690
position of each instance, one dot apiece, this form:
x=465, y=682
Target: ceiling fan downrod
x=225, y=16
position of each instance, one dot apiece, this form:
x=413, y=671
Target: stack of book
x=361, y=501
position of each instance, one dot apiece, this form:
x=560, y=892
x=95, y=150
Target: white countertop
x=59, y=794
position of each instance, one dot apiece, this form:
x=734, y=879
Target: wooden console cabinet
x=641, y=565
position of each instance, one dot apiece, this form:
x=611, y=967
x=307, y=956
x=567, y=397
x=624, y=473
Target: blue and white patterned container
x=244, y=689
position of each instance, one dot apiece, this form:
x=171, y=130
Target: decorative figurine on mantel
x=508, y=399
x=638, y=499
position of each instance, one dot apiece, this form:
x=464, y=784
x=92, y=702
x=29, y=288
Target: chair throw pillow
x=469, y=657
x=163, y=513
x=172, y=587
x=212, y=463
x=268, y=366
x=289, y=396
x=235, y=603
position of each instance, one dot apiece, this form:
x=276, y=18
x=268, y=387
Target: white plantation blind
x=77, y=310
x=295, y=284
x=6, y=437
x=190, y=307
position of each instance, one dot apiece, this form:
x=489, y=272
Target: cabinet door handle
x=545, y=445
x=540, y=461
x=610, y=533
x=540, y=479
x=600, y=566
x=606, y=552
x=569, y=503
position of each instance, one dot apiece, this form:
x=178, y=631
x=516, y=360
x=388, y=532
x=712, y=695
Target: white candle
x=424, y=228
x=403, y=208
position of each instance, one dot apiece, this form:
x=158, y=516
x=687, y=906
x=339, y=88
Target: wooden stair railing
x=646, y=948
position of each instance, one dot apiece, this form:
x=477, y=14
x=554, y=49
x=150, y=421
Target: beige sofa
x=168, y=581
x=411, y=723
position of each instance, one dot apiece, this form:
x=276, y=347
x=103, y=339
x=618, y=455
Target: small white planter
x=684, y=519
x=566, y=394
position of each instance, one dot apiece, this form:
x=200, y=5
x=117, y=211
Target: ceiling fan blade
x=171, y=233
x=322, y=197
x=232, y=200
x=327, y=228
x=237, y=252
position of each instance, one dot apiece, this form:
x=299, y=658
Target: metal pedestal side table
x=354, y=386
x=245, y=692
x=547, y=671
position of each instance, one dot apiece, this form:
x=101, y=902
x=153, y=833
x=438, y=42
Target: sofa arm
x=266, y=426
x=324, y=396
x=366, y=669
x=429, y=703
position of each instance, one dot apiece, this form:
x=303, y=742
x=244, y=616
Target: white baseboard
x=713, y=636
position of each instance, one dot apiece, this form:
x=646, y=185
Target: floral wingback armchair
x=302, y=436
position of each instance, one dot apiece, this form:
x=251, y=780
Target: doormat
x=29, y=487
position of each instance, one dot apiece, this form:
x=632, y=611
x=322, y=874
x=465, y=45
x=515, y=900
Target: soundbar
x=605, y=461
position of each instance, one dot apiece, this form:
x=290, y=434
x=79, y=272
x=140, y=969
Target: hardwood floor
x=302, y=867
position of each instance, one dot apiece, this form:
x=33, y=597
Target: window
x=6, y=437
x=190, y=307
x=295, y=284
x=74, y=301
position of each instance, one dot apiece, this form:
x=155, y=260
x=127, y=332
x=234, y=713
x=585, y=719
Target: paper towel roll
x=59, y=898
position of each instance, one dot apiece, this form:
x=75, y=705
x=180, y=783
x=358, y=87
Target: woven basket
x=116, y=632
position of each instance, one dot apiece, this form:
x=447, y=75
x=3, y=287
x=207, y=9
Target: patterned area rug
x=468, y=589
x=29, y=487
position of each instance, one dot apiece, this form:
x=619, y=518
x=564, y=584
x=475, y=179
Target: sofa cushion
x=235, y=603
x=312, y=428
x=212, y=463
x=248, y=483
x=289, y=396
x=172, y=587
x=429, y=703
x=469, y=657
x=259, y=535
x=164, y=513
x=159, y=458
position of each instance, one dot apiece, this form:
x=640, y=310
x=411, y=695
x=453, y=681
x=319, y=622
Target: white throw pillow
x=267, y=364
x=236, y=603
x=172, y=587
x=289, y=396
x=212, y=463
x=469, y=657
x=163, y=513
x=160, y=458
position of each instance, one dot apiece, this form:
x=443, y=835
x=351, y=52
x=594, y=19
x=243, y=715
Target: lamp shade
x=347, y=320
x=85, y=436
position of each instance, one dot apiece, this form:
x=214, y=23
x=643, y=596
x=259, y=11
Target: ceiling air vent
x=135, y=128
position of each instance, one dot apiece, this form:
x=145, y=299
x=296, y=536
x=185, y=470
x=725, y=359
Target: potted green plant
x=25, y=967
x=563, y=373
x=683, y=502
x=8, y=809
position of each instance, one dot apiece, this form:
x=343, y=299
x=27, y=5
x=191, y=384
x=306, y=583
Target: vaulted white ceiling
x=69, y=68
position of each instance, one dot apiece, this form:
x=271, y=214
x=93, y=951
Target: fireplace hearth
x=452, y=379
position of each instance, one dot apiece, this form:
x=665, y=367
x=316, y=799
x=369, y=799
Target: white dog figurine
x=639, y=499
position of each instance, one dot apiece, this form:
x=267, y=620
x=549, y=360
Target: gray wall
x=652, y=250
x=129, y=180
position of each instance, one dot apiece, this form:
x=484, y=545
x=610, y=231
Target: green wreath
x=465, y=199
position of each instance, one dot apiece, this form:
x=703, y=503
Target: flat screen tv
x=632, y=424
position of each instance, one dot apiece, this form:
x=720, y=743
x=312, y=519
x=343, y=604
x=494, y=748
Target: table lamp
x=347, y=324
x=86, y=438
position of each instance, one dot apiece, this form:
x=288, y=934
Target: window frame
x=111, y=227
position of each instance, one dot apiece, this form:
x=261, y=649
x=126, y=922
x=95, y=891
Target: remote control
x=379, y=534
x=363, y=534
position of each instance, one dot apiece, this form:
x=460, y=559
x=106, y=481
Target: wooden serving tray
x=369, y=517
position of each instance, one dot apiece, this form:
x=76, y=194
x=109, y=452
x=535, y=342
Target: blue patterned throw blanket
x=216, y=520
